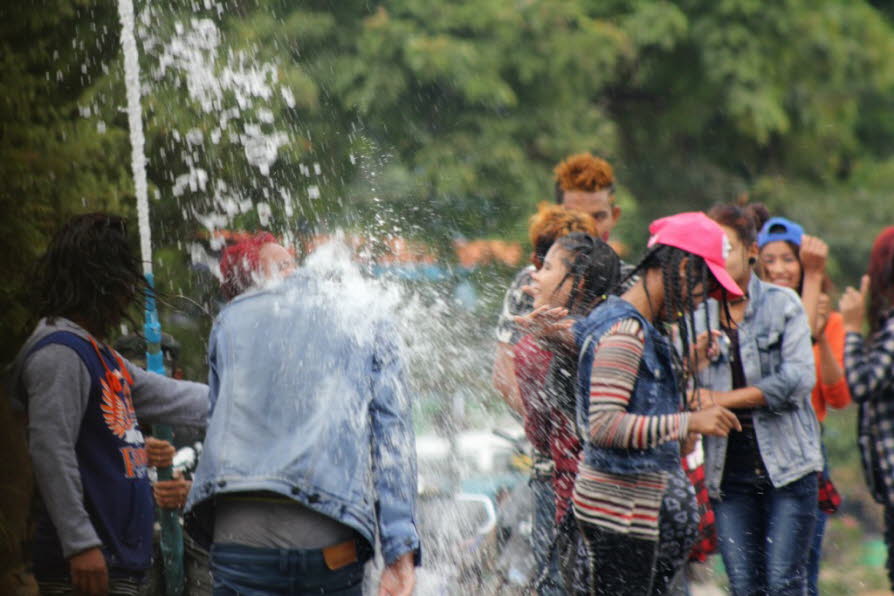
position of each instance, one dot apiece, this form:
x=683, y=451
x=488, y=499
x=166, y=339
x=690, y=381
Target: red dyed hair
x=881, y=276
x=240, y=262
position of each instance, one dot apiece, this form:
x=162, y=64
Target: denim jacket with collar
x=655, y=392
x=777, y=357
x=308, y=400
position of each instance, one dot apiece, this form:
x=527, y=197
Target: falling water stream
x=446, y=347
x=135, y=126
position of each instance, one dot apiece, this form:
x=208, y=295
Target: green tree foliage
x=437, y=119
x=444, y=118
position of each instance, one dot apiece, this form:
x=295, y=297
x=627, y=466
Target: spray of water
x=135, y=123
x=447, y=348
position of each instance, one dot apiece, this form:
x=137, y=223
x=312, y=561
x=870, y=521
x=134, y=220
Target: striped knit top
x=623, y=503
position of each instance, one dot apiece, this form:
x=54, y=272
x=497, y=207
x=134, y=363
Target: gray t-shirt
x=274, y=522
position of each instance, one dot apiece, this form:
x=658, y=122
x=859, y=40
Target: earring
x=752, y=260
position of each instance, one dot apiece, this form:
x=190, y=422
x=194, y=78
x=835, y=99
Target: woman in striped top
x=630, y=402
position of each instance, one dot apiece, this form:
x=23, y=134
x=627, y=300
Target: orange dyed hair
x=584, y=172
x=552, y=222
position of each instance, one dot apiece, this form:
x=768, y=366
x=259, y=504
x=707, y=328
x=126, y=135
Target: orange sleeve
x=836, y=395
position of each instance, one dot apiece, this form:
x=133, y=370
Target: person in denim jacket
x=762, y=481
x=309, y=457
x=630, y=413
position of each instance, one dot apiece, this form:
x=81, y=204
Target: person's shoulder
x=627, y=326
x=608, y=315
x=779, y=294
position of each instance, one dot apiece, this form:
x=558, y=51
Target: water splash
x=135, y=124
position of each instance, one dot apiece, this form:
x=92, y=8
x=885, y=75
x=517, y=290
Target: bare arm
x=814, y=253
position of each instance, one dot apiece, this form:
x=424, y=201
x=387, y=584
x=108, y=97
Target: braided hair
x=680, y=297
x=89, y=272
x=593, y=268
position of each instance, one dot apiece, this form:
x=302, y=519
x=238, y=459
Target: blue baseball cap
x=780, y=228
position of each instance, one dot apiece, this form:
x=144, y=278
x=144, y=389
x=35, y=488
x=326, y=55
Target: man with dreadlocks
x=630, y=405
x=82, y=400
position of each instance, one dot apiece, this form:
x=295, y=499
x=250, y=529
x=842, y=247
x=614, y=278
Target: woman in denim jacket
x=762, y=480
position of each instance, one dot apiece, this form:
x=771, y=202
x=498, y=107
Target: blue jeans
x=765, y=533
x=816, y=554
x=248, y=571
x=543, y=532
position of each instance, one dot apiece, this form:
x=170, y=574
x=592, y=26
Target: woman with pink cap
x=631, y=407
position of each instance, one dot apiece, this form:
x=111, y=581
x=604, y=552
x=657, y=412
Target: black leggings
x=619, y=564
x=625, y=565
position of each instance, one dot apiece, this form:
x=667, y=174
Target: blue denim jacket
x=308, y=401
x=655, y=392
x=777, y=356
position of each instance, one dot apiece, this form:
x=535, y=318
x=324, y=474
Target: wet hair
x=554, y=221
x=679, y=296
x=90, y=273
x=583, y=172
x=240, y=263
x=740, y=219
x=881, y=277
x=593, y=267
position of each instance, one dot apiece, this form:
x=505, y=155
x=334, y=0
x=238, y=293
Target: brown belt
x=341, y=554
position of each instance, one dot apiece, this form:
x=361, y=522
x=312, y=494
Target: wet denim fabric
x=248, y=571
x=543, y=532
x=816, y=553
x=308, y=400
x=765, y=534
x=774, y=343
x=654, y=393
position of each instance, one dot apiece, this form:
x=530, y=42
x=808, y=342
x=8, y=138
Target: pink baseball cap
x=700, y=235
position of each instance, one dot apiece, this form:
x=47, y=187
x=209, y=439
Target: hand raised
x=814, y=253
x=706, y=348
x=853, y=306
x=545, y=322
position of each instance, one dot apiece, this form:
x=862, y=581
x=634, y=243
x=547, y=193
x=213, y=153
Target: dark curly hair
x=89, y=273
x=593, y=267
